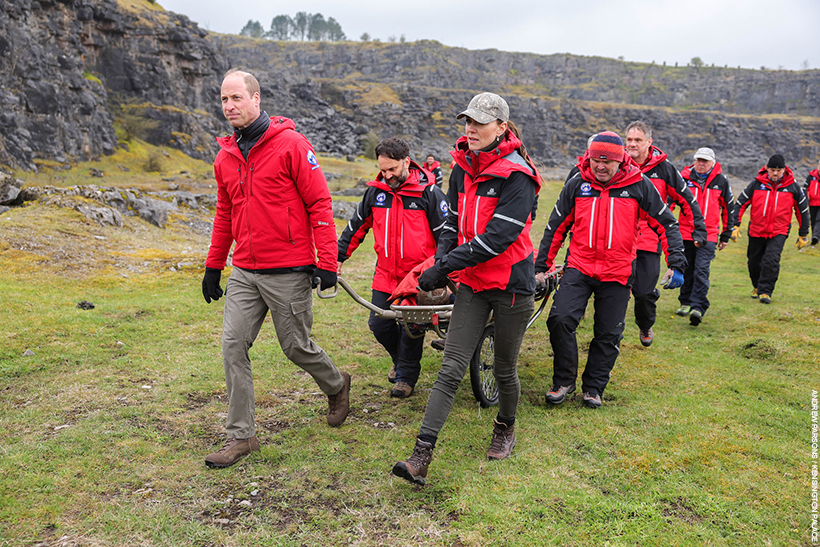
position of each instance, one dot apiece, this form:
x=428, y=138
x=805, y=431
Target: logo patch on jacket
x=624, y=194
x=586, y=189
x=413, y=205
x=311, y=157
x=491, y=192
x=380, y=197
x=443, y=206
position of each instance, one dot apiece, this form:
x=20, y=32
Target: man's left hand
x=802, y=241
x=672, y=280
x=323, y=279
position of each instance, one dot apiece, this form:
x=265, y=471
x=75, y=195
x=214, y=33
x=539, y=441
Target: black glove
x=210, y=284
x=323, y=279
x=432, y=278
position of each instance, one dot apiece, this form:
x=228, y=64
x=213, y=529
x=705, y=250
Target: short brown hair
x=393, y=148
x=251, y=83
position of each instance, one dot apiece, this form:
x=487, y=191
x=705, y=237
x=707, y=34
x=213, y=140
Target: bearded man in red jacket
x=602, y=205
x=771, y=197
x=273, y=201
x=407, y=212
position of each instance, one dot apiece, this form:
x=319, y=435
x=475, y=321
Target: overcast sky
x=747, y=33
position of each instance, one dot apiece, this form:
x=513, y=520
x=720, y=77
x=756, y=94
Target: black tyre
x=482, y=378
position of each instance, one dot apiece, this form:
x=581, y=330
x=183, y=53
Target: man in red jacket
x=812, y=189
x=771, y=197
x=273, y=201
x=714, y=195
x=407, y=211
x=434, y=167
x=602, y=205
x=670, y=185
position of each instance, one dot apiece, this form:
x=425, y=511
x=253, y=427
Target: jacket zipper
x=241, y=182
x=290, y=235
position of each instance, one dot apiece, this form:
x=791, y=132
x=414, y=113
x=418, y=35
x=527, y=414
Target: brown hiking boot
x=503, y=441
x=402, y=390
x=414, y=469
x=391, y=374
x=231, y=452
x=339, y=405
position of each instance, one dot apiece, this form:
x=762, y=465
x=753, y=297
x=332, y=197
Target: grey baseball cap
x=705, y=154
x=486, y=107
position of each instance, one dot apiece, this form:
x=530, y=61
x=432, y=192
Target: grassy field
x=106, y=415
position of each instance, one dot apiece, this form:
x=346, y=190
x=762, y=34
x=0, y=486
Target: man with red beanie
x=602, y=205
x=714, y=195
x=812, y=189
x=653, y=163
x=771, y=197
x=273, y=201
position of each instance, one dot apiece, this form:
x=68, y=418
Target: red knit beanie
x=607, y=146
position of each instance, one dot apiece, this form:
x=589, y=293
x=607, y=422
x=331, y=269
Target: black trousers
x=814, y=215
x=763, y=256
x=405, y=351
x=646, y=271
x=568, y=308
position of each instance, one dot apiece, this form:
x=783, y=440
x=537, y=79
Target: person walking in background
x=714, y=195
x=273, y=201
x=492, y=189
x=430, y=164
x=812, y=189
x=654, y=164
x=407, y=212
x=771, y=198
x=602, y=205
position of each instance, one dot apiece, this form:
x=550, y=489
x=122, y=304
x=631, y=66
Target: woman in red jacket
x=492, y=191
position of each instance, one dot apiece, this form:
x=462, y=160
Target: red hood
x=716, y=170
x=277, y=125
x=656, y=156
x=413, y=184
x=763, y=178
x=815, y=173
x=493, y=163
x=629, y=173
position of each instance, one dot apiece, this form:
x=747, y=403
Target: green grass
x=703, y=438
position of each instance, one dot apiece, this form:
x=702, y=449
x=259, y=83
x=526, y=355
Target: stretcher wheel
x=482, y=378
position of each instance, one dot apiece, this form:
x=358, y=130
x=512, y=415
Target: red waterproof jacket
x=672, y=188
x=715, y=198
x=275, y=205
x=812, y=188
x=406, y=225
x=772, y=204
x=487, y=235
x=604, y=220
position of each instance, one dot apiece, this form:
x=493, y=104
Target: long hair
x=521, y=149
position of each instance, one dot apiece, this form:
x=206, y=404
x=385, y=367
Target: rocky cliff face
x=65, y=66
x=72, y=70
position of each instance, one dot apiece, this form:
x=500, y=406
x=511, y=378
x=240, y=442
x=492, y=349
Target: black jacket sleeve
x=512, y=211
x=357, y=226
x=679, y=192
x=437, y=210
x=654, y=206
